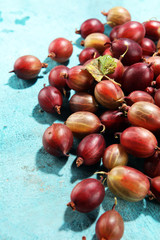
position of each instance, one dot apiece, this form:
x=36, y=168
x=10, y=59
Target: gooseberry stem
x=82, y=43
x=110, y=22
x=151, y=195
x=122, y=56
x=117, y=134
x=52, y=55
x=104, y=13
x=94, y=55
x=102, y=172
x=79, y=161
x=72, y=205
x=103, y=128
x=44, y=65
x=112, y=80
x=78, y=31
x=115, y=203
x=58, y=109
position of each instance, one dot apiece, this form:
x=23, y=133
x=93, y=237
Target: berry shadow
x=43, y=117
x=94, y=237
x=73, y=150
x=82, y=172
x=48, y=163
x=77, y=43
x=132, y=210
x=152, y=209
x=76, y=221
x=128, y=210
x=51, y=64
x=107, y=29
x=65, y=110
x=18, y=83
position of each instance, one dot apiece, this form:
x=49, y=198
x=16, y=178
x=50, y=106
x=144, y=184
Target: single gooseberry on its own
x=128, y=183
x=97, y=41
x=92, y=25
x=132, y=30
x=90, y=149
x=139, y=142
x=82, y=123
x=114, y=120
x=88, y=53
x=79, y=79
x=50, y=99
x=57, y=79
x=28, y=67
x=115, y=155
x=144, y=114
x=117, y=16
x=60, y=50
x=87, y=195
x=58, y=140
x=83, y=101
x=127, y=50
x=110, y=225
x=148, y=46
x=108, y=94
x=152, y=28
x=137, y=96
x=137, y=77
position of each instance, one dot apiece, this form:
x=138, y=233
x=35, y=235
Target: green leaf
x=93, y=69
x=107, y=64
x=101, y=66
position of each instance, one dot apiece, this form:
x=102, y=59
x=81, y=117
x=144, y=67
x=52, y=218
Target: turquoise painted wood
x=35, y=186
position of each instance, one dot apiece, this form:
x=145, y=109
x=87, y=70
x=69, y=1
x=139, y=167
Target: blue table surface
x=35, y=186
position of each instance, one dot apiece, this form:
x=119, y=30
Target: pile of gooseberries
x=115, y=92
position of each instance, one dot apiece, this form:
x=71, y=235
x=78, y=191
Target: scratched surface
x=35, y=186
